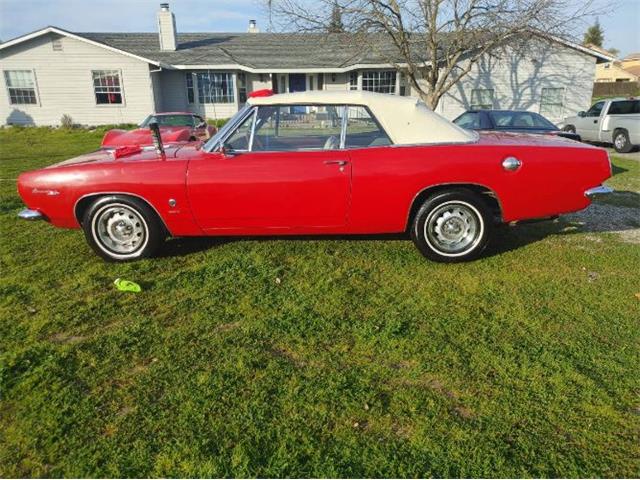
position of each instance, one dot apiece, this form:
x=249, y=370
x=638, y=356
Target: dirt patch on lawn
x=602, y=217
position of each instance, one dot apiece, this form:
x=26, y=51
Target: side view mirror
x=226, y=152
x=582, y=114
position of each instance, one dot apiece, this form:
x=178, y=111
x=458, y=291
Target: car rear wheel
x=570, y=129
x=121, y=228
x=621, y=142
x=452, y=226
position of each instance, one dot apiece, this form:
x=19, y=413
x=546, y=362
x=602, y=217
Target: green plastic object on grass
x=127, y=285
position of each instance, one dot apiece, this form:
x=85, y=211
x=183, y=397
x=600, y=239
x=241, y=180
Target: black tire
x=621, y=141
x=464, y=214
x=569, y=128
x=121, y=228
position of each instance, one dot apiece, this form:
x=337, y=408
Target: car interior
x=307, y=127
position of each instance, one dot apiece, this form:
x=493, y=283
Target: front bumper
x=28, y=214
x=599, y=190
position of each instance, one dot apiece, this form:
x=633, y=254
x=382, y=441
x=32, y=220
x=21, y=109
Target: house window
x=551, y=102
x=353, y=81
x=379, y=81
x=481, y=99
x=21, y=87
x=107, y=87
x=242, y=87
x=310, y=82
x=190, y=90
x=321, y=81
x=215, y=87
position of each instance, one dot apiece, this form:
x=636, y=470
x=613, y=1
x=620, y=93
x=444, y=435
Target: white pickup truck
x=615, y=120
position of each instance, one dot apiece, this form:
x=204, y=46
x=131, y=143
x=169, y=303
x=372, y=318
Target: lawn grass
x=314, y=357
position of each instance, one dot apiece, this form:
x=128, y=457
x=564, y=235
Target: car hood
x=120, y=154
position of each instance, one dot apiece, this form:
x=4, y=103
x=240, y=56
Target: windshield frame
x=216, y=141
x=146, y=121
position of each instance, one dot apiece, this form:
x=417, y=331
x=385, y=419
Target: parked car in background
x=174, y=127
x=615, y=121
x=320, y=162
x=511, y=121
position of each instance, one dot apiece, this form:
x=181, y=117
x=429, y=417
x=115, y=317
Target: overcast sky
x=17, y=17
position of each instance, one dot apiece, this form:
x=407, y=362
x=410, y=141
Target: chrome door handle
x=341, y=163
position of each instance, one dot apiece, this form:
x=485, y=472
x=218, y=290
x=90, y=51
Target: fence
x=623, y=89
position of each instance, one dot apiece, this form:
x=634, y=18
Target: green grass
x=314, y=357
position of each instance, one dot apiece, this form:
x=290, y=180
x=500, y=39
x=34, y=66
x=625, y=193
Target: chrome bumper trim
x=27, y=214
x=599, y=190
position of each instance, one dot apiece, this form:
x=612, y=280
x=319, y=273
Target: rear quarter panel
x=551, y=180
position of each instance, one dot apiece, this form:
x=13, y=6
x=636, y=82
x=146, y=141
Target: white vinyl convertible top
x=406, y=120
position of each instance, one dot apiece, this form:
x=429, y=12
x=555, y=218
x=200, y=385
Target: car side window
x=595, y=110
x=297, y=128
x=624, y=107
x=469, y=120
x=239, y=140
x=363, y=130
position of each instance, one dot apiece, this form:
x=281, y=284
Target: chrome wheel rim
x=119, y=230
x=454, y=228
x=620, y=141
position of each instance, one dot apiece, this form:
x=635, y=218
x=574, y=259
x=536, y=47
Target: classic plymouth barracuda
x=174, y=127
x=317, y=163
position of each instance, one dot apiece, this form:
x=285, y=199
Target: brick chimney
x=166, y=28
x=253, y=27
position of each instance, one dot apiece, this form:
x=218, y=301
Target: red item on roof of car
x=266, y=92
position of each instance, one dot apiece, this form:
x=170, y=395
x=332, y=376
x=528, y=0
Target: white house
x=106, y=78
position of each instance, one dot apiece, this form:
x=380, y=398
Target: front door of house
x=297, y=82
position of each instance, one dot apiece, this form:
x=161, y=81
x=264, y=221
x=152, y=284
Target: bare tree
x=435, y=43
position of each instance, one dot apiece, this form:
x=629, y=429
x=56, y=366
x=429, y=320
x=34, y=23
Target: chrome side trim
x=599, y=190
x=28, y=214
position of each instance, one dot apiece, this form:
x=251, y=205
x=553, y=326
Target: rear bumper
x=599, y=190
x=28, y=214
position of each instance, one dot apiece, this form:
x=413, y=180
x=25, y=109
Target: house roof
x=635, y=70
x=253, y=52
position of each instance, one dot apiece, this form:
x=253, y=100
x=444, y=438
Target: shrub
x=217, y=122
x=66, y=121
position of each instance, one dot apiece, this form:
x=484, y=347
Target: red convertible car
x=174, y=127
x=320, y=162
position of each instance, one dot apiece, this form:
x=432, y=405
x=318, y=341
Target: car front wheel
x=452, y=226
x=121, y=228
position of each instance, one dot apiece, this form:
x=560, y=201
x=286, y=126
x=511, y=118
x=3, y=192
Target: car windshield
x=520, y=120
x=169, y=120
x=222, y=132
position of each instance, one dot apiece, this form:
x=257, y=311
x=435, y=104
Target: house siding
x=65, y=85
x=518, y=80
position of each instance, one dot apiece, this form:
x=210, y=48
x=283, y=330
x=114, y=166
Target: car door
x=588, y=126
x=282, y=170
